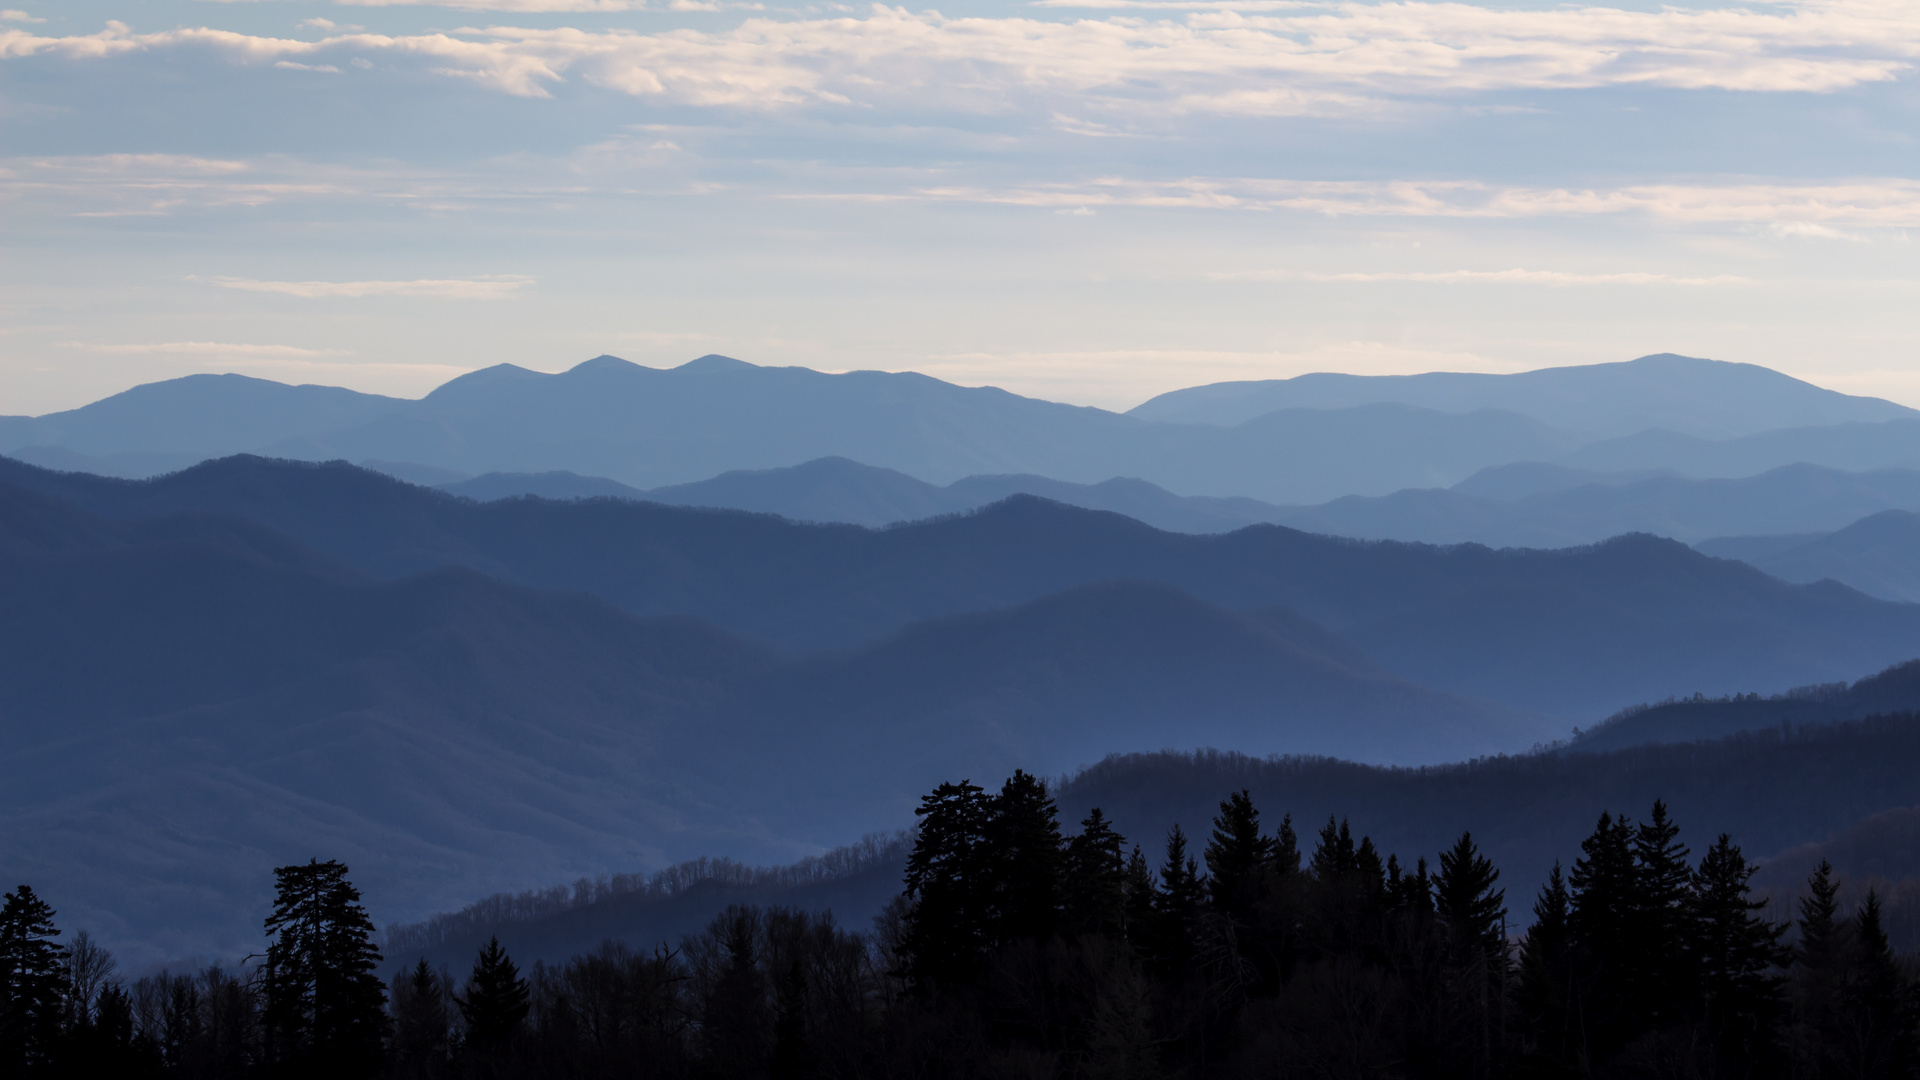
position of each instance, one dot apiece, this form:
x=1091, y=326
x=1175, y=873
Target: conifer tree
x=792, y=1058
x=422, y=1023
x=1026, y=862
x=496, y=1001
x=1182, y=895
x=1236, y=858
x=949, y=887
x=1877, y=1018
x=1737, y=951
x=1819, y=973
x=33, y=983
x=1663, y=975
x=325, y=1007
x=1095, y=880
x=1546, y=994
x=1143, y=900
x=1604, y=899
x=1475, y=910
x=1284, y=851
x=734, y=1021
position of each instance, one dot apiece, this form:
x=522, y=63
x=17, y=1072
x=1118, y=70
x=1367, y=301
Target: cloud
x=220, y=349
x=1812, y=230
x=556, y=6
x=317, y=23
x=292, y=66
x=1482, y=277
x=1891, y=203
x=1231, y=59
x=483, y=288
x=11, y=15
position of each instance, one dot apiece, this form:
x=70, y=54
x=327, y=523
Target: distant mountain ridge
x=1879, y=555
x=1707, y=399
x=649, y=428
x=1576, y=633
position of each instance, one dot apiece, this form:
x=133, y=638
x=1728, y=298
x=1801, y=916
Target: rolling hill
x=1879, y=555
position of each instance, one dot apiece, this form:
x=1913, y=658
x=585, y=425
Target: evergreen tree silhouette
x=1737, y=951
x=1177, y=914
x=33, y=984
x=1283, y=852
x=496, y=1001
x=734, y=1021
x=948, y=887
x=1095, y=878
x=1236, y=858
x=1819, y=973
x=1025, y=862
x=1877, y=1018
x=1474, y=909
x=1663, y=979
x=1601, y=915
x=1143, y=901
x=1547, y=994
x=325, y=1008
x=422, y=1023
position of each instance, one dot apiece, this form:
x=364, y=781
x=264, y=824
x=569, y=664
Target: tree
x=1143, y=900
x=1024, y=853
x=1546, y=994
x=325, y=1007
x=1819, y=971
x=1236, y=858
x=496, y=1000
x=734, y=1021
x=1663, y=976
x=1475, y=911
x=1095, y=879
x=1603, y=898
x=948, y=887
x=422, y=1023
x=1177, y=914
x=1880, y=1034
x=1737, y=951
x=33, y=983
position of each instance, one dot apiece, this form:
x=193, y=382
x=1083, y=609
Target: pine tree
x=1547, y=995
x=1095, y=879
x=735, y=1021
x=1663, y=972
x=949, y=887
x=1284, y=850
x=1236, y=858
x=33, y=983
x=1475, y=911
x=1177, y=917
x=792, y=1058
x=1603, y=901
x=1875, y=1003
x=497, y=1000
x=1737, y=951
x=1819, y=974
x=422, y=1023
x=1024, y=849
x=1143, y=900
x=325, y=1007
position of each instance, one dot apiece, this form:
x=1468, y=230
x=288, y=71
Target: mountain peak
x=714, y=362
x=603, y=362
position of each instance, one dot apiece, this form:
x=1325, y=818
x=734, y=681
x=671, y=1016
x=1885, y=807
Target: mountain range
x=649, y=428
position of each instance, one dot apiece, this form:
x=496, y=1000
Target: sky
x=1085, y=200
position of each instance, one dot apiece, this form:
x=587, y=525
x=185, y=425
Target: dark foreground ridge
x=1019, y=950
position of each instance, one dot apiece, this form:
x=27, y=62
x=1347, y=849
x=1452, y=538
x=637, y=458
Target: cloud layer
x=1220, y=59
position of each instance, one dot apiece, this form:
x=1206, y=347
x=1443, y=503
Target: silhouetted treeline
x=1019, y=949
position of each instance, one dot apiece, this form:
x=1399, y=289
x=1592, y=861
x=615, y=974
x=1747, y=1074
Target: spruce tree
x=1819, y=975
x=792, y=1057
x=949, y=887
x=1663, y=975
x=1737, y=951
x=33, y=983
x=1095, y=878
x=735, y=1023
x=1547, y=995
x=1475, y=910
x=495, y=1004
x=1182, y=896
x=1236, y=858
x=1026, y=862
x=422, y=1023
x=1875, y=1000
x=1601, y=917
x=1143, y=900
x=325, y=1008
x=1284, y=850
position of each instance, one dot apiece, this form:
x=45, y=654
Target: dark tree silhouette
x=33, y=983
x=948, y=886
x=1738, y=952
x=422, y=1023
x=1662, y=980
x=1095, y=882
x=1178, y=907
x=1024, y=861
x=1546, y=992
x=1236, y=858
x=494, y=1004
x=325, y=1012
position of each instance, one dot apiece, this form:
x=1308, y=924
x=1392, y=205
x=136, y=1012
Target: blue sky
x=1092, y=201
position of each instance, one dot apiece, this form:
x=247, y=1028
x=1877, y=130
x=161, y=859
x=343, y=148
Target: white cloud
x=1482, y=277
x=1223, y=58
x=484, y=288
x=542, y=6
x=11, y=15
x=317, y=23
x=290, y=65
x=1812, y=230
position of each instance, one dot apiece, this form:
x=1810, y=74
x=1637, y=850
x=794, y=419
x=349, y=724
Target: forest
x=1019, y=949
